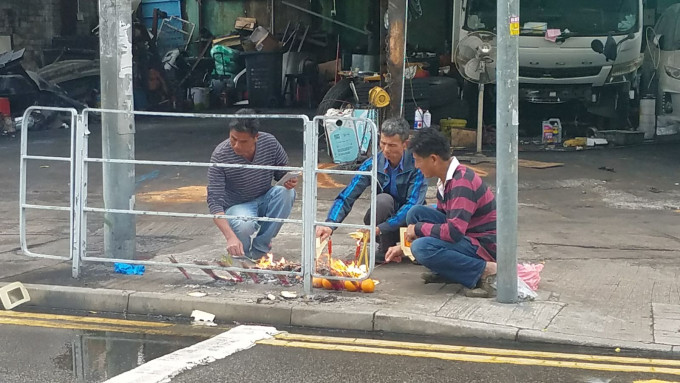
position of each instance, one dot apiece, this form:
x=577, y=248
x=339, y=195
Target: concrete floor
x=609, y=239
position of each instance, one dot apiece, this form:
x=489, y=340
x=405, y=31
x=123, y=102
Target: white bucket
x=647, y=117
x=200, y=97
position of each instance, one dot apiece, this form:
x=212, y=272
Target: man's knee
x=384, y=201
x=422, y=249
x=244, y=227
x=414, y=214
x=282, y=194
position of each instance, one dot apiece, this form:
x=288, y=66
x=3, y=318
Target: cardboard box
x=245, y=23
x=228, y=41
x=463, y=138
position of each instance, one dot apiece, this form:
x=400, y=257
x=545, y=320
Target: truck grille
x=558, y=72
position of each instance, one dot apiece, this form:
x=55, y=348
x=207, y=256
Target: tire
x=444, y=91
x=338, y=95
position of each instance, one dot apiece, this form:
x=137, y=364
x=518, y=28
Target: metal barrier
x=374, y=189
x=80, y=161
x=23, y=206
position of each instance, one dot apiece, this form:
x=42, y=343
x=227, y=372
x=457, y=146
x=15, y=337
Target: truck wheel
x=336, y=97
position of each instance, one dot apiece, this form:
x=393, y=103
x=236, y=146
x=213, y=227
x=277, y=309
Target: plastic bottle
x=418, y=120
x=427, y=119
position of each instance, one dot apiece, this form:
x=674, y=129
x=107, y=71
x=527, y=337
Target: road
x=60, y=348
x=87, y=348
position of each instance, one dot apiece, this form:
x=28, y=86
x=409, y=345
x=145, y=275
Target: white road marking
x=163, y=369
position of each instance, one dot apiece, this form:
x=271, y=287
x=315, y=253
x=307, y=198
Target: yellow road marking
x=473, y=357
x=109, y=321
x=84, y=326
x=474, y=350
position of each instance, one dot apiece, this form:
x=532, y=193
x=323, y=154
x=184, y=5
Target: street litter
x=128, y=269
x=530, y=274
x=202, y=318
x=289, y=294
x=607, y=169
x=197, y=294
x=13, y=295
x=539, y=164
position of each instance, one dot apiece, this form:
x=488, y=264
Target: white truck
x=594, y=60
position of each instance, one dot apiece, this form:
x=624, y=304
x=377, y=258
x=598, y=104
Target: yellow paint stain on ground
x=185, y=194
x=653, y=381
x=480, y=172
x=326, y=181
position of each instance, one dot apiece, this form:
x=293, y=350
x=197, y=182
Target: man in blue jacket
x=401, y=187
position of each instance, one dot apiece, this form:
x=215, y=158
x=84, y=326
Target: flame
x=268, y=262
x=343, y=268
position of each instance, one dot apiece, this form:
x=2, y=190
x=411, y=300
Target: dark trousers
x=385, y=208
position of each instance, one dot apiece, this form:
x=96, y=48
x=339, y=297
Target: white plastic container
x=427, y=119
x=418, y=119
x=200, y=97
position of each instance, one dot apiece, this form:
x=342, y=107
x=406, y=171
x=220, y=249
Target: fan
x=475, y=58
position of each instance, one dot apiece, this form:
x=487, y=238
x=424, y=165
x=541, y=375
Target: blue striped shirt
x=232, y=186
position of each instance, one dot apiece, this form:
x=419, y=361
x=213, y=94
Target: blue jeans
x=256, y=236
x=457, y=262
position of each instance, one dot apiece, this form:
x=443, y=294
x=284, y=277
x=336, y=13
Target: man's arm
x=234, y=245
x=345, y=200
x=460, y=207
x=417, y=190
x=216, y=201
x=281, y=159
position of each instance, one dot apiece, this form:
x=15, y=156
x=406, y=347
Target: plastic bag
x=524, y=292
x=128, y=269
x=529, y=273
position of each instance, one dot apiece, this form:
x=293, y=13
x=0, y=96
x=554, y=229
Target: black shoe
x=379, y=257
x=431, y=277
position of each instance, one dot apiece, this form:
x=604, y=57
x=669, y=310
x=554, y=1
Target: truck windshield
x=579, y=17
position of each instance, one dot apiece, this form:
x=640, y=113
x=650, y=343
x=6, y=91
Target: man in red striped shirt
x=457, y=240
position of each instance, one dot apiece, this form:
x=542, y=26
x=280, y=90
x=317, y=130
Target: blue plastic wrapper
x=128, y=269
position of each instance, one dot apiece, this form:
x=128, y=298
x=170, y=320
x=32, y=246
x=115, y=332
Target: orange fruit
x=351, y=286
x=327, y=284
x=317, y=282
x=367, y=286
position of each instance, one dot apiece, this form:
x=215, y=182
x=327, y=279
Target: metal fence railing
x=79, y=208
x=24, y=159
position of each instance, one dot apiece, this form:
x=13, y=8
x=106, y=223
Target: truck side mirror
x=610, y=49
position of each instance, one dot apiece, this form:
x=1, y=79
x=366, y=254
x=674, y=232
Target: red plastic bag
x=530, y=274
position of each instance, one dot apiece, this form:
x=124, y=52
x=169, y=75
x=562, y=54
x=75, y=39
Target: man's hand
x=394, y=254
x=323, y=232
x=291, y=183
x=410, y=234
x=234, y=246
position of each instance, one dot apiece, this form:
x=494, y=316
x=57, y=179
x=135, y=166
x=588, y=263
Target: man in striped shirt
x=457, y=240
x=245, y=192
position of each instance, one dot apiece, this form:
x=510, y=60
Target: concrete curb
x=227, y=310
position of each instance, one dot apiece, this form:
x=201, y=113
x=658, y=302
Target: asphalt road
x=66, y=348
x=321, y=359
x=49, y=348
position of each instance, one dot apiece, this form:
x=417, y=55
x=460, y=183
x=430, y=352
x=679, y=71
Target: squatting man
x=247, y=192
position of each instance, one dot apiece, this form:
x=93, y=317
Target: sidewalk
x=609, y=241
x=597, y=291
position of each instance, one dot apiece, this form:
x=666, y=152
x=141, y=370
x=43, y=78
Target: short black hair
x=245, y=125
x=428, y=141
